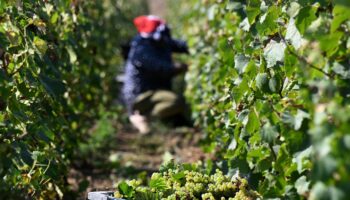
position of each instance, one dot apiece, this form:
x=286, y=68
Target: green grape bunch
x=180, y=183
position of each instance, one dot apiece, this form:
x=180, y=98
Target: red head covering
x=147, y=24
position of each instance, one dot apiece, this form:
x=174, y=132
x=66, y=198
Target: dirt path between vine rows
x=133, y=155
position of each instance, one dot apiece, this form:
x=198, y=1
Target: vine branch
x=302, y=59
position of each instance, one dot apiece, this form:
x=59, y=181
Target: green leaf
x=54, y=18
x=324, y=167
x=301, y=115
x=125, y=189
x=241, y=63
x=17, y=109
x=239, y=91
x=2, y=6
x=252, y=13
x=283, y=163
x=275, y=84
x=55, y=87
x=340, y=14
x=320, y=191
x=305, y=17
x=72, y=54
x=269, y=133
x=291, y=63
x=212, y=11
x=40, y=44
x=262, y=82
x=158, y=183
x=293, y=9
x=233, y=144
x=274, y=52
x=253, y=122
x=293, y=34
x=244, y=25
x=340, y=70
x=302, y=185
x=46, y=134
x=346, y=141
x=25, y=154
x=330, y=43
x=295, y=121
x=253, y=10
x=167, y=165
x=267, y=24
x=302, y=158
x=146, y=195
x=234, y=5
x=243, y=116
x=179, y=176
x=287, y=118
x=345, y=3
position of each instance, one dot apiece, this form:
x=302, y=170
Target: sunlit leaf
x=274, y=52
x=241, y=63
x=293, y=34
x=305, y=17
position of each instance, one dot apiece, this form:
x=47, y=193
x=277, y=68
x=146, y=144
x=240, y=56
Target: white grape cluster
x=192, y=185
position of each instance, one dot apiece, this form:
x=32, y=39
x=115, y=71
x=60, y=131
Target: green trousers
x=159, y=103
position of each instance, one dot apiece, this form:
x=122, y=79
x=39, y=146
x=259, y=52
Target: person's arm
x=179, y=46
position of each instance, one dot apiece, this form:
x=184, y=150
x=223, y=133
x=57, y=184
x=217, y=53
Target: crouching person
x=148, y=74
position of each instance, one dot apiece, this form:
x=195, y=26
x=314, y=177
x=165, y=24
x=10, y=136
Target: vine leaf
x=295, y=121
x=72, y=54
x=302, y=185
x=305, y=17
x=125, y=189
x=55, y=87
x=253, y=122
x=243, y=117
x=158, y=183
x=302, y=158
x=274, y=52
x=40, y=44
x=293, y=34
x=244, y=25
x=212, y=11
x=267, y=24
x=253, y=10
x=301, y=115
x=330, y=43
x=320, y=191
x=232, y=145
x=340, y=13
x=241, y=63
x=341, y=70
x=269, y=133
x=293, y=9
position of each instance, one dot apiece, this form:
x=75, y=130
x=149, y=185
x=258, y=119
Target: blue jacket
x=149, y=67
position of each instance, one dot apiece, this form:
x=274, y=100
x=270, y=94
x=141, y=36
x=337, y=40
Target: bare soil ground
x=132, y=155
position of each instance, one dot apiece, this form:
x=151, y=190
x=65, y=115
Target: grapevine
x=56, y=59
x=270, y=83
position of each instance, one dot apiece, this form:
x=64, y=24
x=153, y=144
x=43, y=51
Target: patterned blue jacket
x=149, y=67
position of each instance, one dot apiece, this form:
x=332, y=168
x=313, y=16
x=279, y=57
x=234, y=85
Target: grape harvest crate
x=102, y=195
